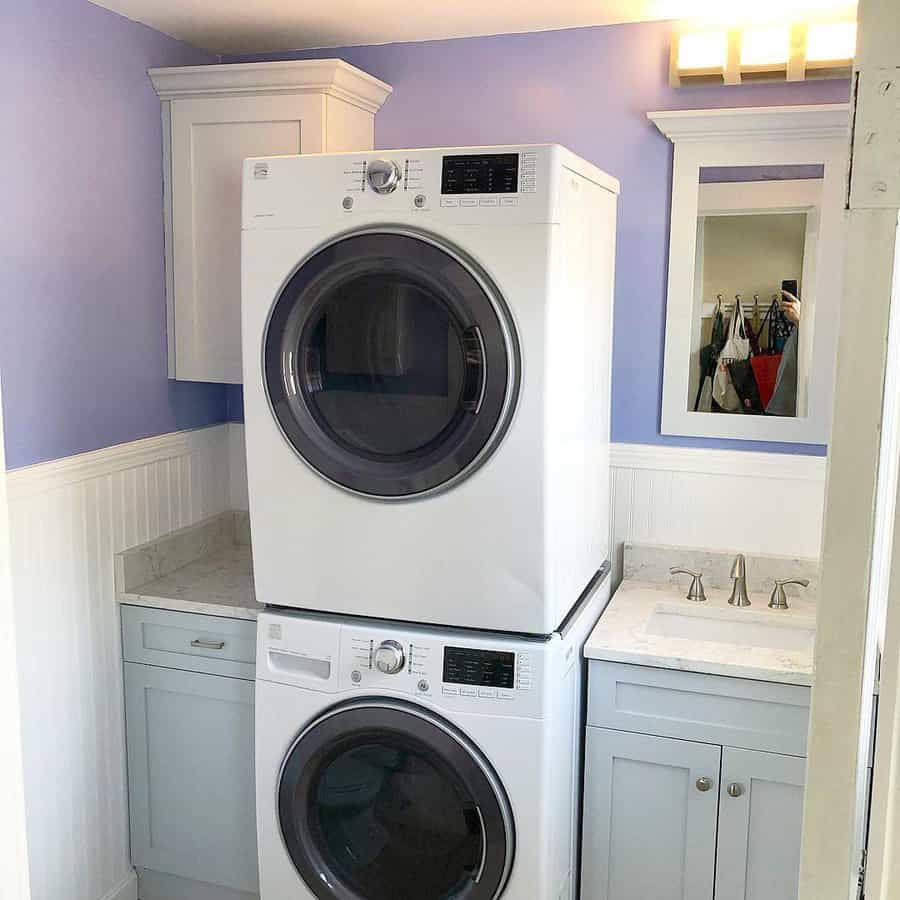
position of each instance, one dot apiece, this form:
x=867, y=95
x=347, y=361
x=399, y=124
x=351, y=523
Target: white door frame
x=883, y=864
x=14, y=880
x=849, y=626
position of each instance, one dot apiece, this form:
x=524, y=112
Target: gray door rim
x=507, y=327
x=434, y=719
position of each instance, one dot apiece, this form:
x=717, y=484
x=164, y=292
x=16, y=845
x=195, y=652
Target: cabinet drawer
x=755, y=715
x=180, y=640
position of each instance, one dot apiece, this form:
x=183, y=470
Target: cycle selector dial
x=389, y=658
x=384, y=176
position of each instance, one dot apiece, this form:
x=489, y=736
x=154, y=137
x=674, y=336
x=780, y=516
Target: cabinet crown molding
x=333, y=77
x=830, y=120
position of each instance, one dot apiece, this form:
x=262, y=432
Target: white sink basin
x=741, y=627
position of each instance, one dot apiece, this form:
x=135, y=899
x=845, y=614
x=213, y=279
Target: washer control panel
x=458, y=672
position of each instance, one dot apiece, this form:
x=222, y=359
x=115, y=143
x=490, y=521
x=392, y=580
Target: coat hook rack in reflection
x=709, y=309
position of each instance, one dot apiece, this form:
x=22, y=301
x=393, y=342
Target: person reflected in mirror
x=790, y=306
x=784, y=397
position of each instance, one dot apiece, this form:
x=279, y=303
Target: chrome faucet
x=778, y=600
x=739, y=577
x=695, y=592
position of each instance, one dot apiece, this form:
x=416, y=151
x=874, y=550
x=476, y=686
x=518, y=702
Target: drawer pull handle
x=735, y=789
x=207, y=645
x=704, y=784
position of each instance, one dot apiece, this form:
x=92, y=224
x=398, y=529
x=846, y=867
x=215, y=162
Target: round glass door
x=391, y=364
x=380, y=800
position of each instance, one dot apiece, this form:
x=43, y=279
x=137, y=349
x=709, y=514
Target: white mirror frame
x=767, y=136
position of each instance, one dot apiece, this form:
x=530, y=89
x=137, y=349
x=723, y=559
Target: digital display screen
x=487, y=668
x=497, y=173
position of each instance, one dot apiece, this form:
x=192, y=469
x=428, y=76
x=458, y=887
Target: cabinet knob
x=735, y=789
x=704, y=784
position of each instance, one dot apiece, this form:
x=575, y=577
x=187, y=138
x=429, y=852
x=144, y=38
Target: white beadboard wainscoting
x=769, y=503
x=67, y=520
x=69, y=517
x=763, y=503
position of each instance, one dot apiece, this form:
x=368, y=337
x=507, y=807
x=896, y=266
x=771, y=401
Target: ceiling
x=256, y=26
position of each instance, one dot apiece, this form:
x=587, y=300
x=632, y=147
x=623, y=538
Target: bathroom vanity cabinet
x=189, y=730
x=693, y=785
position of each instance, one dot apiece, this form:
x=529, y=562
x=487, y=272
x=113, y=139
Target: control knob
x=384, y=175
x=389, y=658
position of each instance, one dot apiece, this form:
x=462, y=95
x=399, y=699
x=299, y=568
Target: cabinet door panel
x=648, y=830
x=211, y=137
x=759, y=831
x=190, y=775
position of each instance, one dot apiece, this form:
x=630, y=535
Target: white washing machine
x=401, y=763
x=426, y=344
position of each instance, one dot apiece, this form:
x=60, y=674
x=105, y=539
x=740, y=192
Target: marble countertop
x=205, y=569
x=220, y=584
x=622, y=634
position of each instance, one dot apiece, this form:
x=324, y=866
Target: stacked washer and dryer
x=427, y=343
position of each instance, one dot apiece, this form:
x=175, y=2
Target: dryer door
x=381, y=800
x=391, y=364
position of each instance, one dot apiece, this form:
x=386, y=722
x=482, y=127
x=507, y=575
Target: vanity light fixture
x=768, y=45
x=830, y=43
x=703, y=51
x=765, y=52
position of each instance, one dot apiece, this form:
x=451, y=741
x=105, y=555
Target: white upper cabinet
x=214, y=117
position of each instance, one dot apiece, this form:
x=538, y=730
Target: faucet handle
x=695, y=591
x=778, y=600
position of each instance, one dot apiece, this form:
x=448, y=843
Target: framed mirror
x=754, y=271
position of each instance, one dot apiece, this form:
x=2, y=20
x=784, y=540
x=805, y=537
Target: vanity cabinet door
x=649, y=817
x=760, y=822
x=190, y=776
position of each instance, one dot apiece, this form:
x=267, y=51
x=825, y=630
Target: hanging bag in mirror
x=744, y=381
x=737, y=347
x=709, y=355
x=765, y=364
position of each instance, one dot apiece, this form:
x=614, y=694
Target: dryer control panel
x=509, y=185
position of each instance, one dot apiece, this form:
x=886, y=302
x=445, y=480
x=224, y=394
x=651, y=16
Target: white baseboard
x=126, y=889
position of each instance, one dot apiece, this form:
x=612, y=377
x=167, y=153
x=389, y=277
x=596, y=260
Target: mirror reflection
x=754, y=289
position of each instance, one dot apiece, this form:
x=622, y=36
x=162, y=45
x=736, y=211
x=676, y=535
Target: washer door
x=390, y=364
x=381, y=800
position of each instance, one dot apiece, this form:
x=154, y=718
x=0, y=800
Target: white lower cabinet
x=190, y=765
x=670, y=818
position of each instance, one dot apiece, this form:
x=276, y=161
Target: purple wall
x=83, y=347
x=589, y=89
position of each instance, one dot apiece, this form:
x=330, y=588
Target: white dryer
x=426, y=344
x=401, y=763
